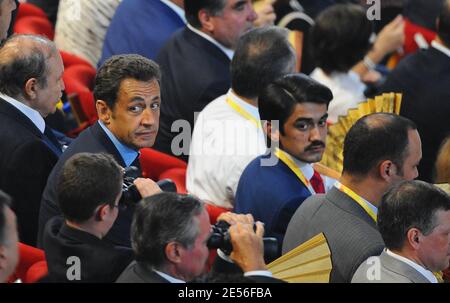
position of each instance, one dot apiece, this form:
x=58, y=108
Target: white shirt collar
x=32, y=114
x=168, y=278
x=228, y=52
x=306, y=168
x=440, y=47
x=426, y=273
x=178, y=10
x=252, y=110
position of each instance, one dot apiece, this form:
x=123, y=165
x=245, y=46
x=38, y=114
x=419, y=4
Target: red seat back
x=154, y=163
x=71, y=59
x=28, y=9
x=28, y=256
x=35, y=26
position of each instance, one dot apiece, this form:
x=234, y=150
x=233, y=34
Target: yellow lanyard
x=243, y=112
x=283, y=156
x=357, y=198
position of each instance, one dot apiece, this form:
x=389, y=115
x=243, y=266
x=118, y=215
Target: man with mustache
x=128, y=99
x=380, y=150
x=272, y=192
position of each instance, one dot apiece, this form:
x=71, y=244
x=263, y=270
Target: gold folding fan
x=332, y=157
x=308, y=263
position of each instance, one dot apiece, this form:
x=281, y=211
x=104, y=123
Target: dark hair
x=409, y=204
x=160, y=219
x=340, y=37
x=87, y=181
x=374, y=138
x=278, y=99
x=118, y=68
x=444, y=23
x=18, y=66
x=262, y=55
x=192, y=7
x=5, y=201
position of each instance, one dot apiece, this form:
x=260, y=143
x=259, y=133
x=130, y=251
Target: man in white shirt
x=31, y=84
x=414, y=221
x=228, y=133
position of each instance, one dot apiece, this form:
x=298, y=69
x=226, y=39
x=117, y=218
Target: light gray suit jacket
x=391, y=270
x=350, y=232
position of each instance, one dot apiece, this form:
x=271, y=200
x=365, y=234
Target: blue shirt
x=128, y=154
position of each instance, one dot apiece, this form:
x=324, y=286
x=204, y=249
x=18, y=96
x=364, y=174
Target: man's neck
x=365, y=187
x=86, y=227
x=251, y=101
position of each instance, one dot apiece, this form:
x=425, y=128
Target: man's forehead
x=308, y=110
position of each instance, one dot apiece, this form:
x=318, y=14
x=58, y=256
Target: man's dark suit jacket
x=194, y=72
x=139, y=272
x=26, y=160
x=351, y=233
x=92, y=140
x=424, y=80
x=99, y=260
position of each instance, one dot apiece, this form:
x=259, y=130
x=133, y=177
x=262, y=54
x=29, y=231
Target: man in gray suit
x=414, y=221
x=379, y=151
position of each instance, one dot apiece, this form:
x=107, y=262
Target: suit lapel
x=104, y=140
x=402, y=268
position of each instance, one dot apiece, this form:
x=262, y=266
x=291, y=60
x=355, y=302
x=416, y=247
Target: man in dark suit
x=170, y=234
x=424, y=79
x=195, y=66
x=30, y=86
x=379, y=151
x=128, y=101
x=414, y=221
x=73, y=245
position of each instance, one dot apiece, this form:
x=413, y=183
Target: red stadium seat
x=178, y=176
x=71, y=59
x=154, y=163
x=79, y=78
x=28, y=9
x=27, y=270
x=214, y=212
x=35, y=26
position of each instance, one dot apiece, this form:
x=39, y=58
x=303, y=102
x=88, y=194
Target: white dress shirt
x=227, y=51
x=223, y=144
x=168, y=277
x=32, y=114
x=424, y=272
x=347, y=89
x=308, y=171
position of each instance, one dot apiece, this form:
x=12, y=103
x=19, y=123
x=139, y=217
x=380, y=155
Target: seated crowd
x=242, y=100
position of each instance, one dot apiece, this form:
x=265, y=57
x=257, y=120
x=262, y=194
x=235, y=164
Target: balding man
x=31, y=84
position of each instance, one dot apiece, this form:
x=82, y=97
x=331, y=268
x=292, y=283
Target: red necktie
x=317, y=183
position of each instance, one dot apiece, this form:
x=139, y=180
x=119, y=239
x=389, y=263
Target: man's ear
x=387, y=169
x=173, y=251
x=30, y=88
x=103, y=111
x=272, y=132
x=413, y=237
x=205, y=20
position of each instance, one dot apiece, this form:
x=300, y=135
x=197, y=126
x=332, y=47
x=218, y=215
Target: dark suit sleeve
x=26, y=176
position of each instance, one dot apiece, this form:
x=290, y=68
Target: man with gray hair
x=227, y=134
x=414, y=221
x=31, y=84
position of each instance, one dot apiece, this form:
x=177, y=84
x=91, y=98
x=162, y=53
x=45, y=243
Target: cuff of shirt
x=264, y=273
x=223, y=256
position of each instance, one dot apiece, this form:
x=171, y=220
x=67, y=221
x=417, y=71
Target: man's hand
x=248, y=246
x=265, y=12
x=146, y=187
x=391, y=37
x=232, y=218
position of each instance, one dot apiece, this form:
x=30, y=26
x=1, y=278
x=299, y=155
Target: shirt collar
x=426, y=273
x=228, y=52
x=168, y=278
x=178, y=10
x=440, y=47
x=128, y=154
x=32, y=114
x=306, y=168
x=252, y=110
x=369, y=204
